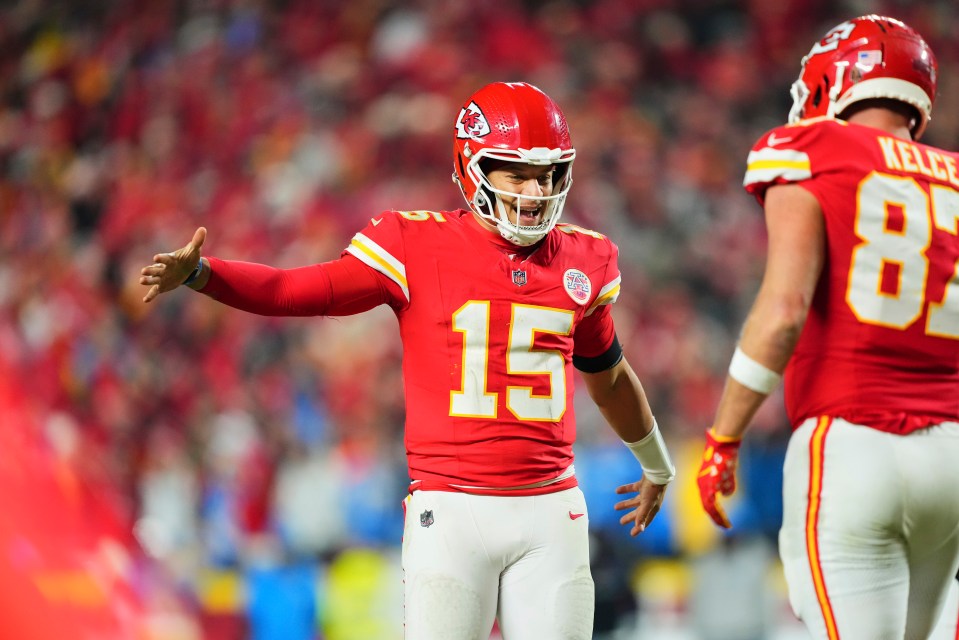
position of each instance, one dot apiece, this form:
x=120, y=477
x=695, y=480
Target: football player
x=859, y=310
x=496, y=305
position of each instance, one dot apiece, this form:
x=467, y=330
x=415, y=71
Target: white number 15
x=474, y=399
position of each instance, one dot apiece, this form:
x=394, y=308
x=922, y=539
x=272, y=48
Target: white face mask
x=549, y=207
x=489, y=202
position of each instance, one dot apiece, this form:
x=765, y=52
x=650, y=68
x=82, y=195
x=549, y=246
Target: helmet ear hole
x=483, y=197
x=817, y=97
x=560, y=173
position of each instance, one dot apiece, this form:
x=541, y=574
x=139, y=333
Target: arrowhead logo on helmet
x=471, y=122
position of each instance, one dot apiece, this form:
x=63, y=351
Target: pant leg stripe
x=817, y=450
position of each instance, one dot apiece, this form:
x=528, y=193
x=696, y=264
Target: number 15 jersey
x=881, y=343
x=489, y=331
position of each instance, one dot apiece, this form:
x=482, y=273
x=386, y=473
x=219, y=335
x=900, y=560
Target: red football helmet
x=869, y=57
x=512, y=122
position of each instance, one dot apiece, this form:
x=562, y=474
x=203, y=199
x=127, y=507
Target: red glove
x=718, y=474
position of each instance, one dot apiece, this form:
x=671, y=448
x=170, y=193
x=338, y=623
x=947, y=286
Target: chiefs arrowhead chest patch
x=577, y=285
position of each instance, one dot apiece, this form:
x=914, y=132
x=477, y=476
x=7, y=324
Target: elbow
x=785, y=321
x=600, y=394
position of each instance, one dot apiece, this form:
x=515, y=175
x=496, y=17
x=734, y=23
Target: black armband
x=606, y=360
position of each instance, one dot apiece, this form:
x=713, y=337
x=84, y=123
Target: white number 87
x=904, y=251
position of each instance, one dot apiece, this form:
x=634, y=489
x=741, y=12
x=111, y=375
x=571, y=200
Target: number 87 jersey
x=881, y=342
x=489, y=333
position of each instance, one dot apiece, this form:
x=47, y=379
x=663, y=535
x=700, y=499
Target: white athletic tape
x=751, y=374
x=653, y=457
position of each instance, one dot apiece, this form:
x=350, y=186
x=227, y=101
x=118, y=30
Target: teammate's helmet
x=512, y=122
x=869, y=57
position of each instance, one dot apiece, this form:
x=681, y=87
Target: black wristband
x=195, y=273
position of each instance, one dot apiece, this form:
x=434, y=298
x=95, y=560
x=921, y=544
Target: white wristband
x=653, y=457
x=751, y=374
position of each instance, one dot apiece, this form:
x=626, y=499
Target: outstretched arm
x=340, y=287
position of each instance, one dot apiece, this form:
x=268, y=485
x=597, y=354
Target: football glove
x=717, y=475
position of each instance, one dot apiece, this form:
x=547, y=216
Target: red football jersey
x=881, y=344
x=488, y=332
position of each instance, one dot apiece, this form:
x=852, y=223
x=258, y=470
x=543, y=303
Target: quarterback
x=496, y=307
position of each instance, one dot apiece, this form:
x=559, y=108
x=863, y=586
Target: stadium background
x=180, y=470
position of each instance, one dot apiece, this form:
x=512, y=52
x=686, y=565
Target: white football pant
x=870, y=534
x=524, y=560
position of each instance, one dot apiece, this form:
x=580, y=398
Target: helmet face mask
x=866, y=58
x=514, y=123
x=493, y=204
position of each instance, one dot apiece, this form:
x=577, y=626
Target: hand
x=169, y=270
x=645, y=504
x=717, y=475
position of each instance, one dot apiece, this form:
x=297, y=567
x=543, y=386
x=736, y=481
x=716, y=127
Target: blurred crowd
x=252, y=467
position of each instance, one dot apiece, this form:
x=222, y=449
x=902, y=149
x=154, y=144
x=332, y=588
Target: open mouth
x=529, y=217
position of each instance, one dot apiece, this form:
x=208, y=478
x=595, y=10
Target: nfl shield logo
x=426, y=518
x=519, y=277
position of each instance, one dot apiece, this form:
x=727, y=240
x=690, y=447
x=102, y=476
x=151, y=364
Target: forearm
x=736, y=409
x=627, y=409
x=773, y=327
x=621, y=399
x=768, y=340
x=622, y=402
x=265, y=290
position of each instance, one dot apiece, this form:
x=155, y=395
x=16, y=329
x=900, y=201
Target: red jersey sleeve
x=381, y=247
x=338, y=288
x=596, y=333
x=602, y=250
x=595, y=347
x=786, y=155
